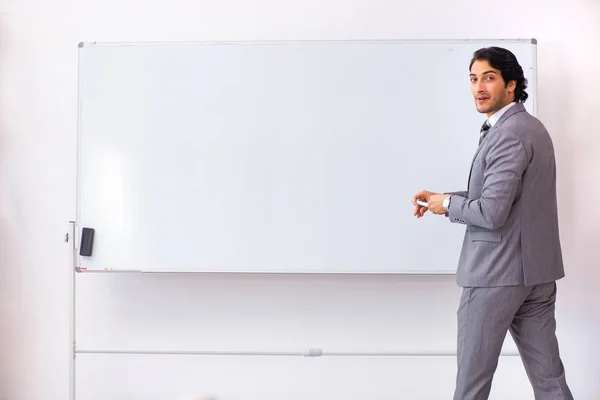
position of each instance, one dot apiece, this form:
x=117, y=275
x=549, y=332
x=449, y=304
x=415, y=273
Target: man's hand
x=435, y=203
x=423, y=195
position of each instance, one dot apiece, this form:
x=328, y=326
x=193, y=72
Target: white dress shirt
x=496, y=116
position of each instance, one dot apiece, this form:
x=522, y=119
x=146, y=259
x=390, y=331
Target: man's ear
x=511, y=85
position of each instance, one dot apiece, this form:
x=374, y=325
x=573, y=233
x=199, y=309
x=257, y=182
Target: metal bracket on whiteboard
x=313, y=353
x=72, y=236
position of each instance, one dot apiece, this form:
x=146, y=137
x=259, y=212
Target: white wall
x=38, y=95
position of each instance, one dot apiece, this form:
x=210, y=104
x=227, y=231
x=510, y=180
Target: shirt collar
x=496, y=116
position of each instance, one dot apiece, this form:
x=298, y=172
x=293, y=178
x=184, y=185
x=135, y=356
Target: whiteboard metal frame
x=72, y=236
x=314, y=41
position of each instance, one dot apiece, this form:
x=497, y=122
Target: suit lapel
x=519, y=107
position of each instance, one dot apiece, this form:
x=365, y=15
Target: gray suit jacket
x=510, y=207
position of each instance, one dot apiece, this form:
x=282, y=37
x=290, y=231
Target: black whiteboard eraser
x=87, y=242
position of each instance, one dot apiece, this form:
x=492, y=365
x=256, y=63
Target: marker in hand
x=423, y=203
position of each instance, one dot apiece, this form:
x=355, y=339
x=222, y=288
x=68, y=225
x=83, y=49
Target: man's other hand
x=435, y=203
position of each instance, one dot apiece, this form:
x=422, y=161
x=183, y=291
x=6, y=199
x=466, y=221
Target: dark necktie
x=484, y=130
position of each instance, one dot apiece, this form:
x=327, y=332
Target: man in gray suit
x=511, y=255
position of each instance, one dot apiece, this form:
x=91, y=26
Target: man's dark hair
x=507, y=63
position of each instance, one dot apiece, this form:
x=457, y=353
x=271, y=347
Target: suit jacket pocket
x=485, y=236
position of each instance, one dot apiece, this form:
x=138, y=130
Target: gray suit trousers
x=485, y=315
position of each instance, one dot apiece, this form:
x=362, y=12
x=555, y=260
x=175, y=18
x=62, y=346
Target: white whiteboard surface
x=281, y=157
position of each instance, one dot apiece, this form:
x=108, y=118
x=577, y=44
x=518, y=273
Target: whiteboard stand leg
x=72, y=342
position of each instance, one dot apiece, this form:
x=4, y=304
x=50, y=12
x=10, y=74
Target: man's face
x=488, y=88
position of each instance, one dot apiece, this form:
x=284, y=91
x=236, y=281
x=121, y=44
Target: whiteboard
x=275, y=157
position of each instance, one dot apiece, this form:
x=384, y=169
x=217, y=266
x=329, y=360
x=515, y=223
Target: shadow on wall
x=15, y=95
x=5, y=255
x=568, y=115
